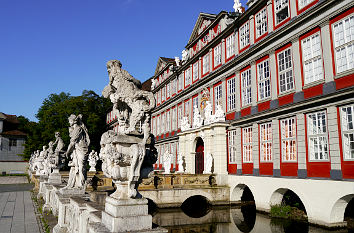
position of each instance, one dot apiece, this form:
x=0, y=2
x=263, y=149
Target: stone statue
x=167, y=160
x=238, y=6
x=38, y=164
x=225, y=21
x=51, y=161
x=78, y=151
x=127, y=155
x=132, y=103
x=92, y=158
x=59, y=149
x=209, y=161
x=185, y=124
x=178, y=62
x=219, y=114
x=197, y=118
x=185, y=55
x=208, y=114
x=181, y=164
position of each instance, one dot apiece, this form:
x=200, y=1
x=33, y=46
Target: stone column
x=200, y=68
x=334, y=145
x=293, y=9
x=301, y=146
x=270, y=15
x=238, y=94
x=238, y=151
x=236, y=42
x=327, y=58
x=223, y=96
x=223, y=51
x=210, y=60
x=276, y=148
x=219, y=148
x=296, y=64
x=254, y=87
x=251, y=24
x=255, y=149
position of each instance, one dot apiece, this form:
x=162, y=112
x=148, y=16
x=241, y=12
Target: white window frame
x=168, y=90
x=317, y=136
x=312, y=62
x=279, y=6
x=261, y=22
x=288, y=139
x=187, y=109
x=246, y=85
x=195, y=71
x=154, y=126
x=231, y=136
x=265, y=136
x=206, y=63
x=263, y=78
x=304, y=3
x=247, y=145
x=179, y=115
x=347, y=128
x=231, y=94
x=217, y=55
x=180, y=81
x=187, y=76
x=285, y=71
x=244, y=33
x=230, y=46
x=343, y=44
x=163, y=94
x=158, y=124
x=163, y=119
x=218, y=94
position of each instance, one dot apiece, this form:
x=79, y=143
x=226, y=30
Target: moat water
x=229, y=219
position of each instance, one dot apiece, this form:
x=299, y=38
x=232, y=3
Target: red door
x=199, y=157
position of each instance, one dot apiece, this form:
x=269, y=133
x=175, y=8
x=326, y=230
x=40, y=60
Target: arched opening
x=291, y=199
x=199, y=156
x=349, y=215
x=244, y=216
x=196, y=206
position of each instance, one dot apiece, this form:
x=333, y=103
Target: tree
x=53, y=116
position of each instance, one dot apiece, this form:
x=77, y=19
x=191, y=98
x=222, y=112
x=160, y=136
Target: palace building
x=282, y=72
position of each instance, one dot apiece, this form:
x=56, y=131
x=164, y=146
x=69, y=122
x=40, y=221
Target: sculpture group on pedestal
x=127, y=156
x=167, y=161
x=92, y=158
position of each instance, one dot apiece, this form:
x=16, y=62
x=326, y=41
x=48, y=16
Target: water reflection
x=226, y=219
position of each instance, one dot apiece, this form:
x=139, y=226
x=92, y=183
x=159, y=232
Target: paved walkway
x=16, y=208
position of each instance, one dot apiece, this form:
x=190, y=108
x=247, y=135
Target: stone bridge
x=171, y=190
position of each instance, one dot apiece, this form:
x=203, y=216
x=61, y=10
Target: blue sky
x=50, y=46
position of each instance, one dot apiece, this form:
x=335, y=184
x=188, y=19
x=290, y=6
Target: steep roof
x=9, y=118
x=14, y=133
x=163, y=62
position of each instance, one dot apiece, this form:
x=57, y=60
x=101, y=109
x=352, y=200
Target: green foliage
x=53, y=116
x=287, y=212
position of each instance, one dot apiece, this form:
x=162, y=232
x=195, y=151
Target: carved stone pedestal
x=126, y=215
x=72, y=191
x=55, y=177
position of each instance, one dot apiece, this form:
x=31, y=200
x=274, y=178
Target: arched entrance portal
x=199, y=157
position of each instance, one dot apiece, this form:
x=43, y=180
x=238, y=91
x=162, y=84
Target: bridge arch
x=239, y=191
x=339, y=207
x=277, y=198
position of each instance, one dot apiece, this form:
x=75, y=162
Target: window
x=246, y=87
x=244, y=36
x=343, y=35
x=288, y=139
x=317, y=136
x=303, y=3
x=281, y=11
x=174, y=119
x=261, y=22
x=163, y=119
x=312, y=58
x=206, y=64
x=187, y=76
x=230, y=46
x=263, y=74
x=347, y=124
x=168, y=87
x=158, y=125
x=180, y=82
x=187, y=109
x=218, y=95
x=217, y=55
x=285, y=70
x=231, y=136
x=168, y=121
x=173, y=87
x=179, y=115
x=156, y=98
x=12, y=142
x=266, y=142
x=163, y=93
x=195, y=103
x=195, y=72
x=247, y=144
x=154, y=127
x=231, y=94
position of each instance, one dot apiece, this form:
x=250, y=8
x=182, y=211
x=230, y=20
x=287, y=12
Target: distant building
x=11, y=144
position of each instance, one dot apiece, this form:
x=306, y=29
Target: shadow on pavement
x=15, y=187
